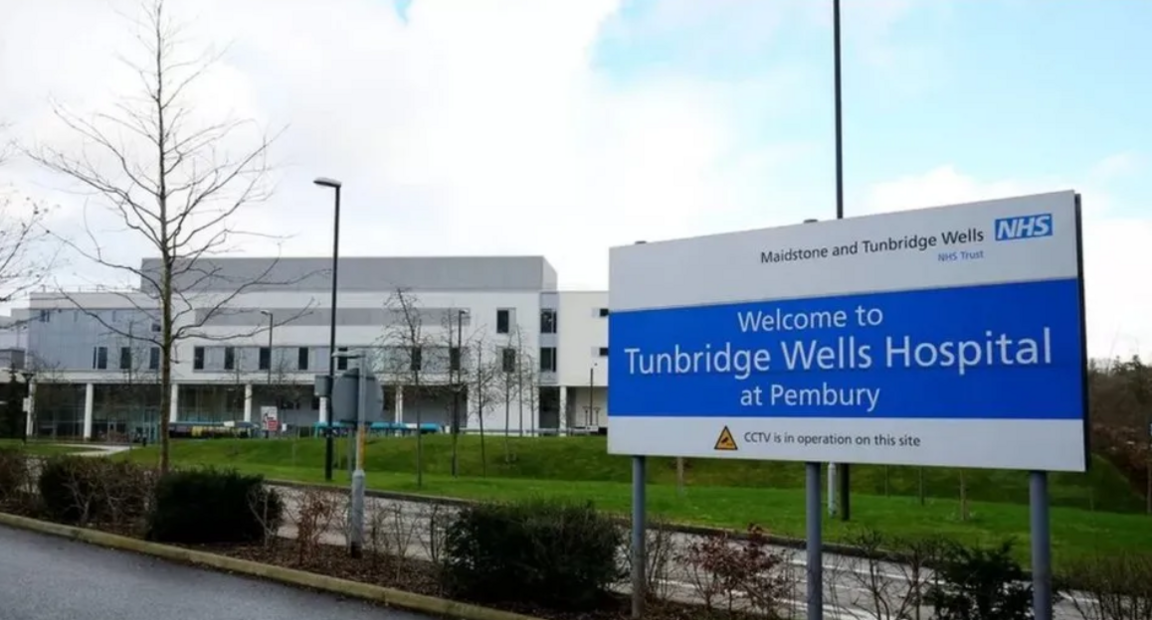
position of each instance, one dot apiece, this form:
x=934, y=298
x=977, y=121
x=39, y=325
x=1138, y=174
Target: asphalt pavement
x=49, y=578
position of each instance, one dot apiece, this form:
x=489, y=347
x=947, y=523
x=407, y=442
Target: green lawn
x=720, y=493
x=586, y=459
x=39, y=448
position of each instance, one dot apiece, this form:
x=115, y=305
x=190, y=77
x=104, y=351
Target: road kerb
x=388, y=596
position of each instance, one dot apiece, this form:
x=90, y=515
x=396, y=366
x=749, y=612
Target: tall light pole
x=591, y=386
x=460, y=314
x=845, y=469
x=30, y=406
x=335, y=185
x=271, y=326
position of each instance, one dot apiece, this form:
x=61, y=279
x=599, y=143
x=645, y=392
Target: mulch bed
x=422, y=577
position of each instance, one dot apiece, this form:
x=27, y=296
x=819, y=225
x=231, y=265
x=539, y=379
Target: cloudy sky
x=564, y=127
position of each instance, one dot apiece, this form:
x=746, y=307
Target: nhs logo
x=1023, y=227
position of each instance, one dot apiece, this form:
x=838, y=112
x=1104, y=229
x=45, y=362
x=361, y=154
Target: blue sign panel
x=1003, y=351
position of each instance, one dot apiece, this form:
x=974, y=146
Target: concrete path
x=49, y=578
x=96, y=449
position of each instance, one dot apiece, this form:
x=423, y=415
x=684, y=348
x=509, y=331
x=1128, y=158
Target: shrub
x=206, y=505
x=14, y=475
x=545, y=553
x=726, y=570
x=83, y=490
x=975, y=583
x=1113, y=586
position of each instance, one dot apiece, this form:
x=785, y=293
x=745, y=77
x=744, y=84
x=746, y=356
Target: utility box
x=323, y=386
x=346, y=396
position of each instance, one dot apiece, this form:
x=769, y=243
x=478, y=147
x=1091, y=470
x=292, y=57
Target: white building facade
x=487, y=341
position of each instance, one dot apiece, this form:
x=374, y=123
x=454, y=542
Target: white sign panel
x=950, y=336
x=269, y=418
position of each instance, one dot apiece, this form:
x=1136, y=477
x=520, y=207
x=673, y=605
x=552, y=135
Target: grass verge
x=586, y=459
x=1076, y=532
x=38, y=448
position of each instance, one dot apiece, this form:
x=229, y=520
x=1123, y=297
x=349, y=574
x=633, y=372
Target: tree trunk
x=963, y=497
x=481, y=394
x=507, y=421
x=680, y=475
x=166, y=355
x=920, y=480
x=419, y=437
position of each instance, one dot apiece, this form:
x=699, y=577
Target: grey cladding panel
x=295, y=317
x=444, y=273
x=64, y=339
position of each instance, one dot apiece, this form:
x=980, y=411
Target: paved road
x=48, y=578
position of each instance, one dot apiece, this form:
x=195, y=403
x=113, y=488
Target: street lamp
x=356, y=539
x=591, y=387
x=335, y=185
x=29, y=408
x=460, y=314
x=271, y=326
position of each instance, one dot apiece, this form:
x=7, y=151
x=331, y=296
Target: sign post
x=949, y=336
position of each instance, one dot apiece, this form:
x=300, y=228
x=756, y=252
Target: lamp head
x=327, y=182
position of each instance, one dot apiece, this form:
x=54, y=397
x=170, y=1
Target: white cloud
x=1118, y=303
x=478, y=127
x=482, y=127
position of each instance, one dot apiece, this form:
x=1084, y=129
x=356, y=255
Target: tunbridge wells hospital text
x=770, y=345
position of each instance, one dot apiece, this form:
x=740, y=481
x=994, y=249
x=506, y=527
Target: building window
x=100, y=358
x=155, y=328
x=229, y=358
x=503, y=321
x=45, y=316
x=509, y=360
x=603, y=312
x=125, y=358
x=302, y=360
x=265, y=361
x=547, y=321
x=198, y=358
x=417, y=359
x=342, y=362
x=454, y=359
x=547, y=359
x=603, y=351
x=154, y=358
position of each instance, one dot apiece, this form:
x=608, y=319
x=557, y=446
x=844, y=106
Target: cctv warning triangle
x=726, y=441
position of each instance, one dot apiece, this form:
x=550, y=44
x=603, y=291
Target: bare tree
x=525, y=377
x=529, y=388
x=280, y=382
x=25, y=258
x=458, y=344
x=240, y=375
x=173, y=180
x=484, y=391
x=507, y=366
x=46, y=389
x=139, y=364
x=405, y=343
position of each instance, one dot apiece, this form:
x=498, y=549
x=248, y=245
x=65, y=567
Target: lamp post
x=335, y=185
x=271, y=327
x=460, y=314
x=356, y=539
x=591, y=386
x=30, y=407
